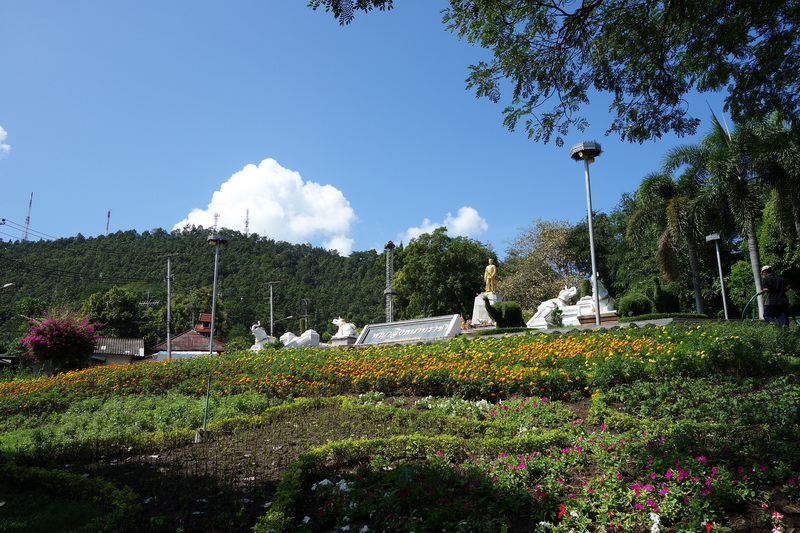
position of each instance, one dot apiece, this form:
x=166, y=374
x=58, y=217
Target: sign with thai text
x=420, y=329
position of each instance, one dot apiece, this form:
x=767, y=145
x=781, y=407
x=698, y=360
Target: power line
x=77, y=275
x=22, y=228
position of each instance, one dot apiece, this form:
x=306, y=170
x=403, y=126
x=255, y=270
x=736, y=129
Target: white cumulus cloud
x=4, y=148
x=466, y=223
x=282, y=206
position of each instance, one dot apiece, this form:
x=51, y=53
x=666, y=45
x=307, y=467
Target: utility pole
x=271, y=315
x=305, y=316
x=169, y=304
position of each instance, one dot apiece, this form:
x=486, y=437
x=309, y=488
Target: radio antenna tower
x=216, y=217
x=247, y=223
x=28, y=220
x=108, y=221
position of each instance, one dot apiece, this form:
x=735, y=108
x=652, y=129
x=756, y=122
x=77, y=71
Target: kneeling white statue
x=570, y=313
x=542, y=319
x=262, y=339
x=346, y=329
x=308, y=338
x=586, y=304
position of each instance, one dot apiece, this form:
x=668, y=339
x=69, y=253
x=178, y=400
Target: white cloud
x=466, y=223
x=282, y=207
x=4, y=148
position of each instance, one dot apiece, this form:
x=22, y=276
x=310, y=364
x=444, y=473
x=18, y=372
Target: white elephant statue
x=346, y=329
x=262, y=339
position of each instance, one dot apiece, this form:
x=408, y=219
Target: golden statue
x=488, y=275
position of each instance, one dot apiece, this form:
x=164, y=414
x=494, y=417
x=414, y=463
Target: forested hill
x=312, y=281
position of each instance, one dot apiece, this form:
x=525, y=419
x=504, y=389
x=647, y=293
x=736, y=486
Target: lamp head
x=585, y=151
x=215, y=239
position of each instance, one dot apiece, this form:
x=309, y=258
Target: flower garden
x=689, y=427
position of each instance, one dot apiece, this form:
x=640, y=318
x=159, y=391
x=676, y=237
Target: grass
x=677, y=428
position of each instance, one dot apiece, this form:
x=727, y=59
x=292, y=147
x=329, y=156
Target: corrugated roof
x=116, y=346
x=191, y=341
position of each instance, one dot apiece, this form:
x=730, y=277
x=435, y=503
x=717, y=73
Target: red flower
x=561, y=510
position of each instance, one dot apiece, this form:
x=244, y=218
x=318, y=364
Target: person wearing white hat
x=776, y=308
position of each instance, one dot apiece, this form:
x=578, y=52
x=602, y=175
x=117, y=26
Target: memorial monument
x=571, y=314
x=346, y=334
x=480, y=317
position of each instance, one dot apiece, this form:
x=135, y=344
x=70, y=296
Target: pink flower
x=776, y=515
x=701, y=458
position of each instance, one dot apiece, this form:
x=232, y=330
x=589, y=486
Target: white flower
x=306, y=519
x=321, y=484
x=343, y=486
x=573, y=514
x=363, y=529
x=656, y=520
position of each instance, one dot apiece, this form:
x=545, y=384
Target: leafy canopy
x=647, y=54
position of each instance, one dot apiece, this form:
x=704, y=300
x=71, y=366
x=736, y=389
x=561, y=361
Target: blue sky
x=165, y=113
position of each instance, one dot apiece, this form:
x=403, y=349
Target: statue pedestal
x=480, y=317
x=343, y=341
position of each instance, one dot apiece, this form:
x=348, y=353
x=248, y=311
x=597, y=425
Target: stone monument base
x=480, y=317
x=343, y=341
x=605, y=318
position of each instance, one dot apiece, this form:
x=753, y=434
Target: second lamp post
x=587, y=151
x=216, y=241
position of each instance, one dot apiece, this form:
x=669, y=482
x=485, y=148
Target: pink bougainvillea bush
x=63, y=343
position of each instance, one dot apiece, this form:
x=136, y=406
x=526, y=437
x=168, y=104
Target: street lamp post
x=216, y=241
x=716, y=238
x=586, y=152
x=271, y=321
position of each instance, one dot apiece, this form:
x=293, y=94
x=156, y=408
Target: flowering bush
x=64, y=343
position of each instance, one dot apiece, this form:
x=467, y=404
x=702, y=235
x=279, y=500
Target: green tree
x=116, y=309
x=676, y=210
x=539, y=263
x=647, y=54
x=619, y=262
x=440, y=275
x=30, y=308
x=777, y=160
x=723, y=162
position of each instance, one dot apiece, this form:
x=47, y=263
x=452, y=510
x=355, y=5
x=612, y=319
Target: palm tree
x=777, y=158
x=723, y=162
x=676, y=210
